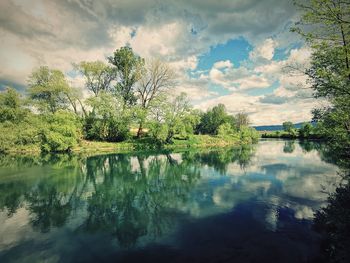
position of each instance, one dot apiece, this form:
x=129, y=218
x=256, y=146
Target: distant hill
x=277, y=127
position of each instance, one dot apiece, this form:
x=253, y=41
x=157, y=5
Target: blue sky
x=234, y=50
x=231, y=51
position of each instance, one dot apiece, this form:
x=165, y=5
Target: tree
x=48, y=90
x=170, y=118
x=330, y=27
x=241, y=120
x=98, y=75
x=288, y=126
x=305, y=130
x=329, y=73
x=108, y=121
x=11, y=106
x=60, y=132
x=156, y=78
x=213, y=118
x=225, y=129
x=128, y=67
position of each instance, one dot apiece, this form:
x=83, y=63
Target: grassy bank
x=143, y=144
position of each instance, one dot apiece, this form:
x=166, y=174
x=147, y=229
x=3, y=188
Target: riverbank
x=287, y=135
x=143, y=144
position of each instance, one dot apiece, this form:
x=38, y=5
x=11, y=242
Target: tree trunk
x=140, y=131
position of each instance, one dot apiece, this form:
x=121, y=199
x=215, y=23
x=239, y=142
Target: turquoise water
x=228, y=205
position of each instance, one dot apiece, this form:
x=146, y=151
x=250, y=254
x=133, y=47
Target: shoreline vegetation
x=138, y=145
x=128, y=107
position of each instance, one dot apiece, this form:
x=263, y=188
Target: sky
x=235, y=52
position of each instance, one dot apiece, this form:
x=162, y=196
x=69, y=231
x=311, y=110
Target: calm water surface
x=229, y=205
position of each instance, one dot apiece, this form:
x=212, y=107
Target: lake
x=244, y=204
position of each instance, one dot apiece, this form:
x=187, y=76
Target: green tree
x=60, y=132
x=98, y=75
x=108, y=121
x=11, y=106
x=329, y=75
x=306, y=130
x=288, y=126
x=128, y=67
x=170, y=118
x=213, y=118
x=225, y=129
x=329, y=72
x=48, y=89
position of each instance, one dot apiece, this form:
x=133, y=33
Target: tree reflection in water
x=333, y=221
x=132, y=200
x=125, y=196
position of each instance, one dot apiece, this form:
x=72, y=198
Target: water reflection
x=114, y=205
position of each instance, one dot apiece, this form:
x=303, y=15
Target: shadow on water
x=229, y=205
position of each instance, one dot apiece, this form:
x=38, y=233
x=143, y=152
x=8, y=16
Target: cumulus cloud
x=291, y=97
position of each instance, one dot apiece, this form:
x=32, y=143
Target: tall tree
x=128, y=66
x=156, y=78
x=325, y=24
x=98, y=75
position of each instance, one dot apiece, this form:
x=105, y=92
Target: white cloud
x=223, y=64
x=264, y=50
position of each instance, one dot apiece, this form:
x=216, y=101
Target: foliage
x=225, y=129
x=60, y=133
x=329, y=75
x=156, y=78
x=334, y=123
x=329, y=72
x=213, y=118
x=98, y=75
x=248, y=135
x=18, y=135
x=11, y=106
x=107, y=121
x=241, y=120
x=128, y=67
x=171, y=118
x=288, y=126
x=306, y=130
x=48, y=89
x=18, y=126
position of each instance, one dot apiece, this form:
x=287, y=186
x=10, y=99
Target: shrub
x=159, y=131
x=248, y=134
x=225, y=129
x=60, y=132
x=24, y=133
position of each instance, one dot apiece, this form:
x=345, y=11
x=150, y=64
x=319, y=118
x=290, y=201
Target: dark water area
x=250, y=204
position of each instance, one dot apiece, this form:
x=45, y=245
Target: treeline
x=129, y=99
x=306, y=131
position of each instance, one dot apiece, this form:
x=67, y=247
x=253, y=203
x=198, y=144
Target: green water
x=226, y=205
